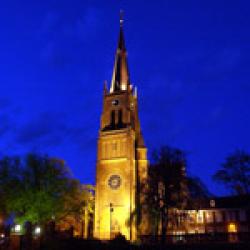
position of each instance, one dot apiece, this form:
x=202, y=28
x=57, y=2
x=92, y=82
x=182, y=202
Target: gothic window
x=112, y=120
x=120, y=117
x=114, y=149
x=114, y=146
x=103, y=150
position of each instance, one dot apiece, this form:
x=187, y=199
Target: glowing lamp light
x=37, y=230
x=17, y=228
x=232, y=228
x=2, y=236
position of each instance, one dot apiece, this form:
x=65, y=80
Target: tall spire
x=120, y=78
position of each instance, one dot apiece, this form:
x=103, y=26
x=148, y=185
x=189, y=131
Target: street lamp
x=111, y=209
x=37, y=230
x=17, y=228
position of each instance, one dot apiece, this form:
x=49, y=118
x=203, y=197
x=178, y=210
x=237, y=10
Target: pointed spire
x=120, y=78
x=121, y=18
x=105, y=88
x=121, y=44
x=135, y=92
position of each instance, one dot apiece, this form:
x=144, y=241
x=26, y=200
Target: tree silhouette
x=235, y=172
x=197, y=189
x=167, y=187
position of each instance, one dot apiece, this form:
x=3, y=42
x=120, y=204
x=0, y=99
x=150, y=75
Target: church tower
x=121, y=157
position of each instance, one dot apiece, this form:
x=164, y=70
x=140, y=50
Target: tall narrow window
x=120, y=117
x=112, y=119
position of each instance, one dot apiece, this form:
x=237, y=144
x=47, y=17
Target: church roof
x=120, y=79
x=140, y=142
x=227, y=202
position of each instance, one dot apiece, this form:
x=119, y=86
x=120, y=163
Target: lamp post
x=16, y=237
x=110, y=217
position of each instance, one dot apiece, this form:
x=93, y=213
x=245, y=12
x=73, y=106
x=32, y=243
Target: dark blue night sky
x=189, y=59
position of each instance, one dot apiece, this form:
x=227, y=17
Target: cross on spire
x=121, y=18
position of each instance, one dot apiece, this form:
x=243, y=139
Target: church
x=122, y=169
x=121, y=155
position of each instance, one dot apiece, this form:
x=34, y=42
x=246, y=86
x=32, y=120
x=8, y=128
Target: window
x=242, y=215
x=230, y=215
x=120, y=117
x=209, y=216
x=191, y=216
x=212, y=203
x=200, y=217
x=112, y=119
x=114, y=146
x=231, y=228
x=218, y=216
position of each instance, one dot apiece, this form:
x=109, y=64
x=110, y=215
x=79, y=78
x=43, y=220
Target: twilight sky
x=189, y=59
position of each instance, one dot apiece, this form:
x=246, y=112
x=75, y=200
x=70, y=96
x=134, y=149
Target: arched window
x=120, y=117
x=112, y=118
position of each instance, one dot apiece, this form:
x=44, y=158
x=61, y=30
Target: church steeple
x=120, y=78
x=121, y=167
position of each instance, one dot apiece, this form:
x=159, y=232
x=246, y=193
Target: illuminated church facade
x=121, y=155
x=122, y=168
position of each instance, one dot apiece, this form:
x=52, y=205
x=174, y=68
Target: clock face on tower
x=115, y=102
x=114, y=181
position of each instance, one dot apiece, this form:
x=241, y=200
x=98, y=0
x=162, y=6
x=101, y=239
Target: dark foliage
x=197, y=189
x=235, y=172
x=74, y=244
x=167, y=187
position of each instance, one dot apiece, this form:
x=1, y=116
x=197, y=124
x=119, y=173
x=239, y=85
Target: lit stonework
x=122, y=155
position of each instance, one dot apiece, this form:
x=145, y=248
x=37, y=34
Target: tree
x=235, y=172
x=167, y=186
x=8, y=182
x=197, y=189
x=88, y=208
x=38, y=189
x=82, y=218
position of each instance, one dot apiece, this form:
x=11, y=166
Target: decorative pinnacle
x=121, y=18
x=105, y=87
x=135, y=92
